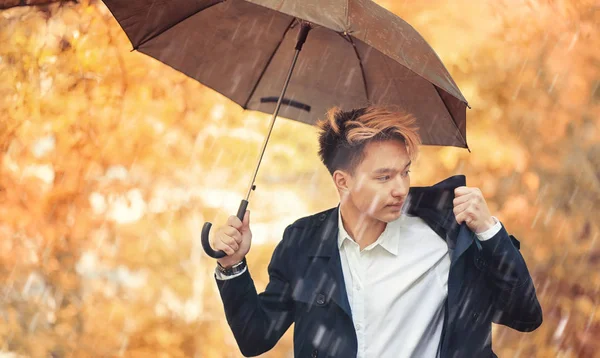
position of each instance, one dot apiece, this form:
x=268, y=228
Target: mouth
x=396, y=205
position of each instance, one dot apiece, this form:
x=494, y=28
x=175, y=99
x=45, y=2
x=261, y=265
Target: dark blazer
x=488, y=282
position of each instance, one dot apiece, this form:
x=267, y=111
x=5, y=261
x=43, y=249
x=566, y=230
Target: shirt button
x=358, y=326
x=315, y=353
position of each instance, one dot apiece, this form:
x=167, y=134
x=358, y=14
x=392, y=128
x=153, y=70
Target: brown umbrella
x=358, y=54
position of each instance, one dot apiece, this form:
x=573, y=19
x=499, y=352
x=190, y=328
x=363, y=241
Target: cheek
x=372, y=197
x=359, y=193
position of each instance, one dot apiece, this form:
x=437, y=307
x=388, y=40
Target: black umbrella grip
x=206, y=230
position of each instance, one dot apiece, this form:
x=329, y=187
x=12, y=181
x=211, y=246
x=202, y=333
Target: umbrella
x=357, y=54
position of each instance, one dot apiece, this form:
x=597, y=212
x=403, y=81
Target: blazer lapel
x=325, y=252
x=434, y=204
x=465, y=238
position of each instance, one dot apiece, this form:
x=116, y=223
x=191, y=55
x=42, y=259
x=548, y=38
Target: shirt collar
x=388, y=239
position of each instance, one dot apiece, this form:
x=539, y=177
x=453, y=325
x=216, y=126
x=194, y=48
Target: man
x=392, y=271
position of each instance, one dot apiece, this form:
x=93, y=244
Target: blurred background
x=110, y=162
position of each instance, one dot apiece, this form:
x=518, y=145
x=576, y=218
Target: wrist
x=491, y=222
x=486, y=226
x=231, y=268
x=228, y=261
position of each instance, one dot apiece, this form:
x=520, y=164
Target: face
x=380, y=183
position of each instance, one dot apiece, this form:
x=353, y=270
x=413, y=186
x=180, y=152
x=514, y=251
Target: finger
x=233, y=221
x=462, y=199
x=462, y=217
x=246, y=222
x=229, y=244
x=233, y=233
x=462, y=190
x=460, y=208
x=221, y=246
x=459, y=218
x=477, y=195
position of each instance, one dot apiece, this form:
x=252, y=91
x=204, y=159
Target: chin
x=389, y=217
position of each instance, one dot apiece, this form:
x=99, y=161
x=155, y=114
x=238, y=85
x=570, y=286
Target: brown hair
x=344, y=134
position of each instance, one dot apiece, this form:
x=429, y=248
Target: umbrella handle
x=206, y=230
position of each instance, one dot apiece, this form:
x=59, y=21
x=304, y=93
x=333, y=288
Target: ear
x=342, y=180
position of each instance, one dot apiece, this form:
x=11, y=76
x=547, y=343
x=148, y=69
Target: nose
x=400, y=189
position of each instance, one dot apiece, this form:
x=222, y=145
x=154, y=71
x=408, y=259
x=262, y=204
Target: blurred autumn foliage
x=6, y=4
x=111, y=162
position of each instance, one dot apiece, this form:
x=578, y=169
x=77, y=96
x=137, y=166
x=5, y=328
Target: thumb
x=246, y=221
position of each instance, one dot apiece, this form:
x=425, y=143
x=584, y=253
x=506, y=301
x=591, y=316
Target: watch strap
x=234, y=269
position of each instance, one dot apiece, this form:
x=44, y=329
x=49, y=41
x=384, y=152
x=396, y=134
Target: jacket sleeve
x=259, y=320
x=516, y=304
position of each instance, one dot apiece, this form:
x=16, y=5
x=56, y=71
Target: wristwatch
x=234, y=269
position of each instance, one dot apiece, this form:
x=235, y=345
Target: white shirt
x=397, y=287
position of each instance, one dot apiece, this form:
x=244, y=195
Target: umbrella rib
x=173, y=25
x=347, y=13
x=245, y=106
x=362, y=68
x=437, y=90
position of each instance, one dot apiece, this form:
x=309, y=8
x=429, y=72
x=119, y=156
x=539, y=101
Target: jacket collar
x=433, y=204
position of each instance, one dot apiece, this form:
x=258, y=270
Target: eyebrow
x=390, y=170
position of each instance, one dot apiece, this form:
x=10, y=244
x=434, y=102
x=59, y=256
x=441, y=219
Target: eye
x=405, y=174
x=384, y=178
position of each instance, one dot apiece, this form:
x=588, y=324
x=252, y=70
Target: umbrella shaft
x=264, y=146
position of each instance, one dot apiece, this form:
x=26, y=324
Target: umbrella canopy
x=357, y=54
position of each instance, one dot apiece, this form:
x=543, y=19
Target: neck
x=363, y=229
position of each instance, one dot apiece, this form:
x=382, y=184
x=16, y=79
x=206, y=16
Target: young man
x=392, y=271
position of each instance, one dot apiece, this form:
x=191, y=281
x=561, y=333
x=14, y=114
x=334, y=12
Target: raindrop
x=350, y=78
x=33, y=323
x=516, y=92
x=124, y=344
x=560, y=329
x=572, y=198
x=553, y=83
x=319, y=335
x=549, y=215
x=573, y=41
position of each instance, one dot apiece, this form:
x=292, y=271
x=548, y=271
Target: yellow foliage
x=111, y=161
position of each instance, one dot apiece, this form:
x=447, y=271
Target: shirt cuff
x=489, y=233
x=220, y=276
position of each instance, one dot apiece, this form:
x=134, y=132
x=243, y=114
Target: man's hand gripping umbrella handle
x=206, y=230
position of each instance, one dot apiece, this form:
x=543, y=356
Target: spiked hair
x=343, y=135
